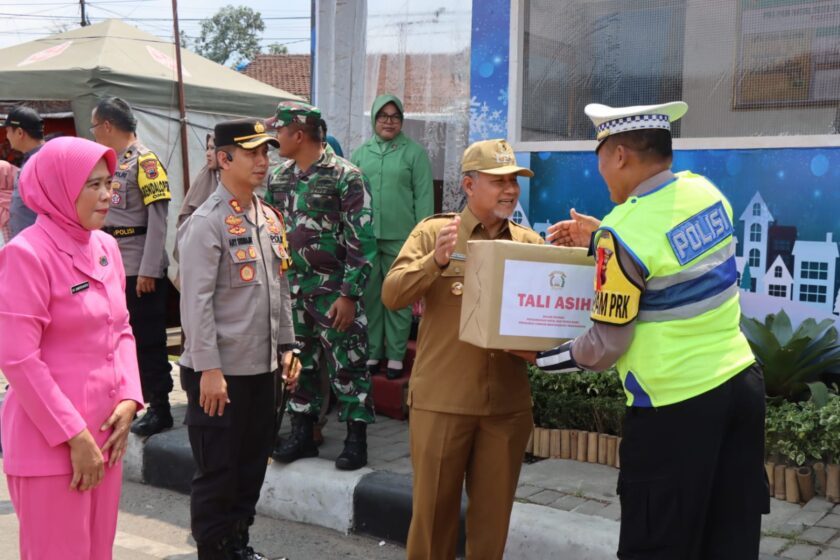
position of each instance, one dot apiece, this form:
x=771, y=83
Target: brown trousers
x=446, y=450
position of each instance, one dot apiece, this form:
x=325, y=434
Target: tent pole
x=181, y=106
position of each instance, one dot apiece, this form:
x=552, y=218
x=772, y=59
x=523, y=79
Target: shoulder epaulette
x=208, y=205
x=447, y=215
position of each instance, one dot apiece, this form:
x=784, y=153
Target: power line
x=31, y=16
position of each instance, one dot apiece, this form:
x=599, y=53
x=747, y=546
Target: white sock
x=373, y=362
x=395, y=364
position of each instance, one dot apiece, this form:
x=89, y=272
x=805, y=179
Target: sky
x=286, y=21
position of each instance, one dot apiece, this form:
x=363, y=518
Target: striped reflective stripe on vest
x=693, y=291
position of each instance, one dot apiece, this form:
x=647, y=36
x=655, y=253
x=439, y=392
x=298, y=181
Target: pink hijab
x=52, y=179
x=7, y=182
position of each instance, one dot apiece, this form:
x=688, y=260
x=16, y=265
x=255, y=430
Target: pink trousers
x=56, y=522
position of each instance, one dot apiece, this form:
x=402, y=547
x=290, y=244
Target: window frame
x=516, y=57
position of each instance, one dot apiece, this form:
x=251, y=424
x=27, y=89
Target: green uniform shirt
x=400, y=178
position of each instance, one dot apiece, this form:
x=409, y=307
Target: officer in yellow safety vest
x=666, y=313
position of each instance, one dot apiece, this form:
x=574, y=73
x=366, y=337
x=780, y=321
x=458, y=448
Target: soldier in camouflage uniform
x=326, y=202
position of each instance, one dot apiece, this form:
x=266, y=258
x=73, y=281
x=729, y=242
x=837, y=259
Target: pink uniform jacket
x=66, y=346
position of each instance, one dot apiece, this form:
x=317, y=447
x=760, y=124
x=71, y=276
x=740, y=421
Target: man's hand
x=342, y=312
x=214, y=395
x=86, y=459
x=445, y=242
x=120, y=421
x=576, y=232
x=528, y=355
x=145, y=285
x=291, y=369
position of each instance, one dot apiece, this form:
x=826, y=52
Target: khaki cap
x=495, y=157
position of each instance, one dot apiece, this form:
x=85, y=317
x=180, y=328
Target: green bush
x=793, y=431
x=829, y=420
x=587, y=400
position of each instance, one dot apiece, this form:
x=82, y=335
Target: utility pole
x=85, y=21
x=185, y=163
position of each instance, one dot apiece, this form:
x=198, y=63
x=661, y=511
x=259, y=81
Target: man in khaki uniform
x=470, y=407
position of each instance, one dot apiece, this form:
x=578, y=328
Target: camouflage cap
x=289, y=111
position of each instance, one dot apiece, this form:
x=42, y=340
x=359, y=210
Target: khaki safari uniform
x=470, y=407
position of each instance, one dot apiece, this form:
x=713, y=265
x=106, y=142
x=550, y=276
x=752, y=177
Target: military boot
x=300, y=443
x=354, y=455
x=158, y=417
x=238, y=548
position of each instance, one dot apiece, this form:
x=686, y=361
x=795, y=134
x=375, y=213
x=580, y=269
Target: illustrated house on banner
x=814, y=272
x=778, y=281
x=757, y=220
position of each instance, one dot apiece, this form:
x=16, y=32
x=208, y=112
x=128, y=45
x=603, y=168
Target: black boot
x=158, y=417
x=238, y=548
x=300, y=443
x=354, y=455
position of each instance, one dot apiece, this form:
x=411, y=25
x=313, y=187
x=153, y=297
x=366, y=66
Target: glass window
x=777, y=272
x=725, y=58
x=755, y=257
x=814, y=270
x=777, y=291
x=755, y=232
x=812, y=293
x=756, y=209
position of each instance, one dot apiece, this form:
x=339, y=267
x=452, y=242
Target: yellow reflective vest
x=687, y=337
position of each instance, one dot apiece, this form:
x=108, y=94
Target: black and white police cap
x=615, y=120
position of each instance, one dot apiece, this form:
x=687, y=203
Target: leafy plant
x=793, y=359
x=829, y=418
x=793, y=431
x=582, y=401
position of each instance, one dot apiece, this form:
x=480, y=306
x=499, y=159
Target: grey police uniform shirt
x=235, y=303
x=143, y=254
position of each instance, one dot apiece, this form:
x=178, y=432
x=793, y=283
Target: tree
x=231, y=36
x=277, y=48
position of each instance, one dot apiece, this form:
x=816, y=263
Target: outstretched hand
x=576, y=232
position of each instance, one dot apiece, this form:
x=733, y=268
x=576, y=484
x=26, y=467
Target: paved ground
x=790, y=531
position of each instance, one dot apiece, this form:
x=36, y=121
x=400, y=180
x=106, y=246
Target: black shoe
x=392, y=373
x=373, y=369
x=300, y=443
x=157, y=418
x=354, y=455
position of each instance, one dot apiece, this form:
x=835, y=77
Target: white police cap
x=614, y=120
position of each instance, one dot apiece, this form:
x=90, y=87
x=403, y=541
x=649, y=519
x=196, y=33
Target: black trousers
x=147, y=315
x=692, y=480
x=230, y=451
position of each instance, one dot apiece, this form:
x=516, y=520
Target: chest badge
x=457, y=288
x=116, y=198
x=237, y=230
x=116, y=185
x=246, y=273
x=124, y=166
x=241, y=254
x=103, y=261
x=235, y=205
x=252, y=252
x=233, y=220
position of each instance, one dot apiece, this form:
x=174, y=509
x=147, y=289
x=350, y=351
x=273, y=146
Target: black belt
x=125, y=231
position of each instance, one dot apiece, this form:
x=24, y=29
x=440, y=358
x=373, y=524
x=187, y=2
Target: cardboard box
x=521, y=296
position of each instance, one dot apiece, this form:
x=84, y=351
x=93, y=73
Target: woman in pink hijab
x=68, y=353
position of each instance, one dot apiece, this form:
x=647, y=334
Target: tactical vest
x=687, y=337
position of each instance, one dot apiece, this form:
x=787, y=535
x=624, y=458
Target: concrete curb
x=376, y=503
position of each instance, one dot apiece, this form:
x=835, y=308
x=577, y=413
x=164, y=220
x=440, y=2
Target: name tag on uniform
x=79, y=287
x=699, y=233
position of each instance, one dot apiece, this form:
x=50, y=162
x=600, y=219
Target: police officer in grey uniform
x=25, y=132
x=137, y=219
x=237, y=317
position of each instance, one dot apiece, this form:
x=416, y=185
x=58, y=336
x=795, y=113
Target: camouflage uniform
x=328, y=220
